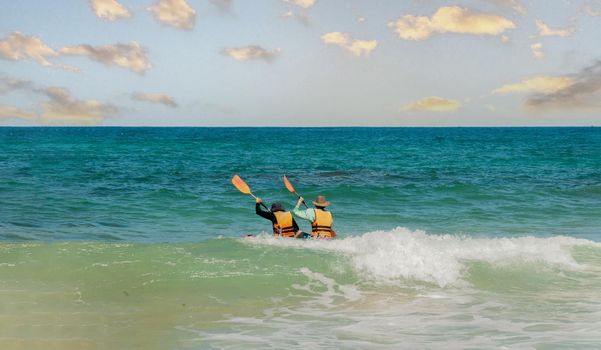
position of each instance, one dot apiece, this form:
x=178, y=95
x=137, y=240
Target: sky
x=300, y=62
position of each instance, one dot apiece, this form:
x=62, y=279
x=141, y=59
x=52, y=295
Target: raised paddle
x=291, y=189
x=243, y=187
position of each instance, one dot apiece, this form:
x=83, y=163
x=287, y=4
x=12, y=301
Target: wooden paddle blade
x=240, y=184
x=288, y=185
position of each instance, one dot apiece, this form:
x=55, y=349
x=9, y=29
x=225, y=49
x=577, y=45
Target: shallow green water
x=384, y=289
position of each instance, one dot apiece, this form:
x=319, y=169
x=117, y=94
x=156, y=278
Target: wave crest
x=389, y=256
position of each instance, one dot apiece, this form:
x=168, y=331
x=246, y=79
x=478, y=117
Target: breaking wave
x=387, y=257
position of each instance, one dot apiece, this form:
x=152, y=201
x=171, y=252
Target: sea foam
x=401, y=254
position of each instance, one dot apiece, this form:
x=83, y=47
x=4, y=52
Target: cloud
x=14, y=112
x=537, y=50
x=302, y=3
x=60, y=108
x=109, y=9
x=545, y=30
x=301, y=17
x=8, y=85
x=18, y=46
x=360, y=19
x=592, y=7
x=539, y=84
x=176, y=13
x=516, y=5
x=65, y=109
x=450, y=19
x=355, y=46
x=583, y=93
x=432, y=104
x=131, y=56
x=505, y=39
x=223, y=5
x=155, y=98
x=252, y=52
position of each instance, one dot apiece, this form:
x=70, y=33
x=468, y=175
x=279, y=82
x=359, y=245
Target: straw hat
x=321, y=201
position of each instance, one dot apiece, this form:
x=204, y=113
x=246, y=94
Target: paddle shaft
x=255, y=197
x=290, y=188
x=298, y=196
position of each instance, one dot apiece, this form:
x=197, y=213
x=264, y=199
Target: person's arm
x=262, y=213
x=308, y=214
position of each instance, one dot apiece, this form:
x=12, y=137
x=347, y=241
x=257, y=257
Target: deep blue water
x=173, y=184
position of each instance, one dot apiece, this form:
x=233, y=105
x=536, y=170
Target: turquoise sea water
x=449, y=238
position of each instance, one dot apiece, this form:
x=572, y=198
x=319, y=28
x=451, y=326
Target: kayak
x=306, y=236
x=255, y=236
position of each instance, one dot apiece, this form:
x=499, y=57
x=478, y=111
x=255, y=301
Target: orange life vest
x=283, y=226
x=322, y=225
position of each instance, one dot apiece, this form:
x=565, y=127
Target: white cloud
x=59, y=108
x=538, y=84
x=592, y=7
x=109, y=9
x=131, y=56
x=155, y=98
x=537, y=50
x=355, y=46
x=252, y=52
x=176, y=13
x=450, y=19
x=65, y=109
x=301, y=17
x=573, y=92
x=18, y=46
x=302, y=3
x=545, y=30
x=582, y=93
x=9, y=112
x=432, y=104
x=8, y=85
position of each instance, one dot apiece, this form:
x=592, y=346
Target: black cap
x=277, y=206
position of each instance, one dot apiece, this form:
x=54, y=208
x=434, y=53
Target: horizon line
x=300, y=126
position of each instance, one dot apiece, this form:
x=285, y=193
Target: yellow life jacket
x=322, y=225
x=283, y=226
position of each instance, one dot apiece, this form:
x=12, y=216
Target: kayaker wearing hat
x=282, y=222
x=321, y=220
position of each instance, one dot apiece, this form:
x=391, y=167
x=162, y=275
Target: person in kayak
x=282, y=222
x=321, y=220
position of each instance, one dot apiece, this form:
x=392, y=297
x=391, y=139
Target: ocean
x=448, y=238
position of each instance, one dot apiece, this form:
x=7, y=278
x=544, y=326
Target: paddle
x=243, y=187
x=291, y=189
